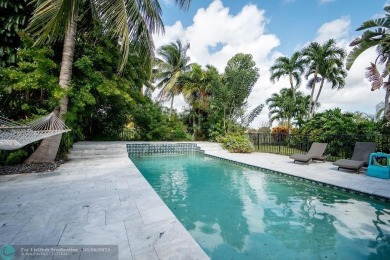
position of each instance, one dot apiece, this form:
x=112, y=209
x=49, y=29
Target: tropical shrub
x=236, y=143
x=154, y=124
x=340, y=130
x=16, y=157
x=279, y=130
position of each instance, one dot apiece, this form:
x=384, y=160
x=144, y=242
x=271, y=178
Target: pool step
x=207, y=146
x=92, y=150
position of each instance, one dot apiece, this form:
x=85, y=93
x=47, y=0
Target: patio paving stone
x=102, y=201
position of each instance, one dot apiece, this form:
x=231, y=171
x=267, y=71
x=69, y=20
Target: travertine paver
x=107, y=201
x=102, y=201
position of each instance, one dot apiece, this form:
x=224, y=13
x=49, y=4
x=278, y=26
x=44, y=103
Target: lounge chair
x=315, y=154
x=360, y=157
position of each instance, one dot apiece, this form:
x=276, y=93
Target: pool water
x=236, y=212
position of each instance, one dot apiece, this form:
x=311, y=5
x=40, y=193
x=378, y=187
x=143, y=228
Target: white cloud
x=215, y=26
x=337, y=29
x=216, y=35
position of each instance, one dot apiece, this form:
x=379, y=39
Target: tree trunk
x=170, y=110
x=386, y=111
x=318, y=96
x=47, y=150
x=193, y=127
x=224, y=120
x=288, y=125
x=292, y=88
x=312, y=93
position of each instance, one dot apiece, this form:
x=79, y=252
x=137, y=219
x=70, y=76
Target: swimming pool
x=235, y=212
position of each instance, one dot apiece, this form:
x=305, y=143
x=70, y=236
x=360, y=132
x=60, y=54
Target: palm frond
x=52, y=19
x=132, y=22
x=380, y=22
x=357, y=51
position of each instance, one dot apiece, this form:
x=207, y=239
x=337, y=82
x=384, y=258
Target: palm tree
x=316, y=55
x=379, y=38
x=282, y=108
x=131, y=22
x=197, y=86
x=292, y=67
x=331, y=71
x=173, y=63
x=380, y=111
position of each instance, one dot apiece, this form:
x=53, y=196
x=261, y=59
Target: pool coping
x=307, y=180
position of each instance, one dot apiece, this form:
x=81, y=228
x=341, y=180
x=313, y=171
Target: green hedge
x=236, y=143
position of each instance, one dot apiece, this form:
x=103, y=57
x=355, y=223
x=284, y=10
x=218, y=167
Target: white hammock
x=14, y=135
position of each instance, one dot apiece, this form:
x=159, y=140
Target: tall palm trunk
x=193, y=127
x=47, y=150
x=311, y=104
x=224, y=119
x=171, y=108
x=292, y=88
x=386, y=111
x=318, y=95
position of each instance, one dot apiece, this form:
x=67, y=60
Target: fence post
x=258, y=141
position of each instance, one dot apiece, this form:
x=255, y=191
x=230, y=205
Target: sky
x=268, y=29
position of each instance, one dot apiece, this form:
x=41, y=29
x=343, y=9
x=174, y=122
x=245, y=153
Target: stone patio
x=106, y=201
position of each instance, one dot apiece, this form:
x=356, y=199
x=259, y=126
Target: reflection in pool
x=235, y=212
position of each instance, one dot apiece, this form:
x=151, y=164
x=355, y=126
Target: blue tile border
x=145, y=148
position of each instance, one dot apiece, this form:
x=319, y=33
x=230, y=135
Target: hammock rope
x=14, y=135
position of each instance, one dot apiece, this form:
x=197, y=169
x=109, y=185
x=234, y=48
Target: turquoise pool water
x=235, y=212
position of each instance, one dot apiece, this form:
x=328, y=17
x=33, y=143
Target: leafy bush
x=16, y=157
x=279, y=130
x=154, y=124
x=236, y=143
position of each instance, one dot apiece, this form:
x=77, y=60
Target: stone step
x=93, y=150
x=94, y=156
x=100, y=151
x=98, y=146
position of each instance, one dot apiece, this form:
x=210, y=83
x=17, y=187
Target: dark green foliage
x=103, y=103
x=30, y=87
x=335, y=122
x=16, y=157
x=14, y=17
x=100, y=100
x=339, y=129
x=153, y=124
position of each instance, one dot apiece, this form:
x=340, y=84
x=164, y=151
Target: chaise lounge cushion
x=315, y=153
x=360, y=156
x=349, y=164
